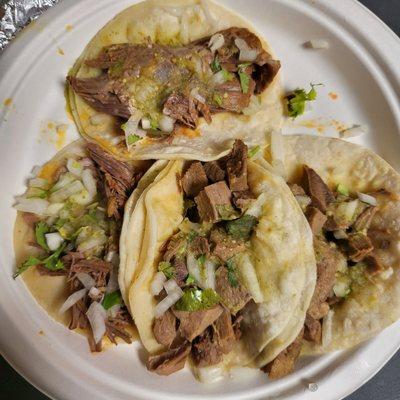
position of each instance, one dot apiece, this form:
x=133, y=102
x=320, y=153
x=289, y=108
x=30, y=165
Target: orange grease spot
x=8, y=102
x=68, y=27
x=333, y=95
x=183, y=131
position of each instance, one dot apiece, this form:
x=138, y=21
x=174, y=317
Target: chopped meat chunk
x=224, y=332
x=225, y=246
x=173, y=247
x=214, y=172
x=316, y=188
x=116, y=327
x=312, y=330
x=360, y=246
x=205, y=350
x=242, y=199
x=236, y=167
x=164, y=328
x=170, y=361
x=195, y=179
x=177, y=106
x=364, y=220
x=316, y=219
x=78, y=316
x=180, y=270
x=296, y=189
x=234, y=297
x=193, y=323
x=211, y=200
x=374, y=267
x=284, y=363
x=200, y=246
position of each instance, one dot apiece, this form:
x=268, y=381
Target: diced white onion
x=246, y=54
x=53, y=240
x=354, y=131
x=35, y=206
x=256, y=207
x=66, y=191
x=210, y=274
x=366, y=198
x=89, y=182
x=98, y=119
x=172, y=287
x=96, y=315
x=71, y=300
x=340, y=234
x=64, y=180
x=195, y=94
x=166, y=303
x=145, y=123
x=54, y=208
x=90, y=243
x=112, y=257
x=132, y=126
x=317, y=44
x=219, y=78
x=347, y=210
x=112, y=284
x=157, y=283
x=193, y=267
x=94, y=293
x=86, y=280
x=113, y=310
x=166, y=123
x=38, y=183
x=216, y=42
x=74, y=167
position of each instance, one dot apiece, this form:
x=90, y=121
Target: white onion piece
x=340, y=234
x=71, y=300
x=66, y=191
x=219, y=78
x=166, y=303
x=86, y=280
x=131, y=127
x=257, y=205
x=216, y=42
x=172, y=287
x=145, y=122
x=113, y=311
x=193, y=267
x=89, y=182
x=317, y=44
x=112, y=284
x=94, y=293
x=54, y=208
x=366, y=198
x=157, y=283
x=327, y=328
x=75, y=167
x=38, y=183
x=35, y=206
x=166, y=123
x=64, y=180
x=195, y=94
x=210, y=274
x=246, y=54
x=53, y=240
x=91, y=243
x=112, y=257
x=96, y=315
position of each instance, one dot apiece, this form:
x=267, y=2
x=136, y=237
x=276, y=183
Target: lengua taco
x=66, y=240
x=175, y=79
x=350, y=197
x=209, y=281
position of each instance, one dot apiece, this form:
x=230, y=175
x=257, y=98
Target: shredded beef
x=296, y=189
x=78, y=316
x=206, y=350
x=374, y=267
x=364, y=220
x=180, y=270
x=170, y=361
x=96, y=268
x=116, y=327
x=214, y=172
x=200, y=246
x=194, y=179
x=164, y=328
x=359, y=246
x=224, y=246
x=236, y=167
x=316, y=219
x=181, y=108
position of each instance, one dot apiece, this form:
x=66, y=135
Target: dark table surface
x=384, y=386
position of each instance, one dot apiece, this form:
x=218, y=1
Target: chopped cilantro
x=166, y=268
x=111, y=299
x=201, y=260
x=242, y=227
x=153, y=124
x=217, y=99
x=196, y=299
x=215, y=65
x=228, y=76
x=297, y=100
x=131, y=139
x=253, y=151
x=244, y=77
x=232, y=278
x=30, y=262
x=342, y=189
x=40, y=230
x=191, y=236
x=189, y=280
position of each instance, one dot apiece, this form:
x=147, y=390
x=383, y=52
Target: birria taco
x=351, y=198
x=66, y=239
x=207, y=280
x=175, y=79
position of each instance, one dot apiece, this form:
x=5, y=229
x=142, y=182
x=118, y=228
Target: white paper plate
x=361, y=67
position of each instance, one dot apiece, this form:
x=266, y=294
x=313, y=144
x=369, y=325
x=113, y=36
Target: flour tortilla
x=161, y=21
x=365, y=313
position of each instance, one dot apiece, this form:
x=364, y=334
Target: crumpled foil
x=16, y=14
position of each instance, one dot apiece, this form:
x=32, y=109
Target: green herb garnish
x=201, y=260
x=131, y=139
x=217, y=99
x=242, y=227
x=297, y=100
x=166, y=268
x=196, y=299
x=153, y=124
x=30, y=262
x=215, y=65
x=253, y=151
x=111, y=299
x=232, y=278
x=189, y=280
x=244, y=77
x=40, y=230
x=228, y=76
x=342, y=190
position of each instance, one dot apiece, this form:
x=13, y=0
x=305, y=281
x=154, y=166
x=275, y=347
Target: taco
x=351, y=198
x=66, y=239
x=175, y=79
x=210, y=282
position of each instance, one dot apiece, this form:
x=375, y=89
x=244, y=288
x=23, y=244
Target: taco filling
x=72, y=208
x=156, y=88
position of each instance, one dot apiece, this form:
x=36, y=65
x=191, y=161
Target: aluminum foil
x=16, y=14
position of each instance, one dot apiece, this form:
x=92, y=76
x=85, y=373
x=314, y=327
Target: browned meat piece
x=94, y=347
x=211, y=199
x=236, y=167
x=173, y=247
x=316, y=219
x=319, y=311
x=284, y=363
x=364, y=220
x=45, y=271
x=242, y=199
x=328, y=259
x=360, y=246
x=237, y=326
x=296, y=189
x=194, y=179
x=200, y=246
x=316, y=188
x=373, y=265
x=180, y=270
x=119, y=177
x=30, y=219
x=206, y=350
x=224, y=246
x=232, y=96
x=193, y=323
x=164, y=328
x=234, y=297
x=332, y=225
x=224, y=332
x=312, y=330
x=178, y=106
x=97, y=269
x=213, y=171
x=78, y=315
x=170, y=361
x=116, y=327
x=103, y=94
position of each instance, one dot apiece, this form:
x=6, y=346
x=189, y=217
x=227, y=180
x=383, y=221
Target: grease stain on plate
x=54, y=133
x=320, y=125
x=69, y=27
x=60, y=51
